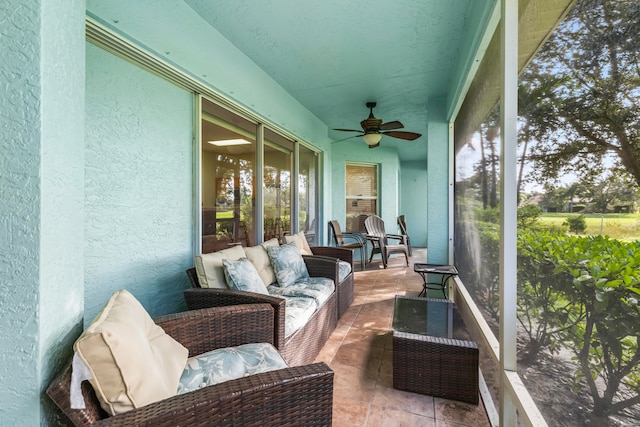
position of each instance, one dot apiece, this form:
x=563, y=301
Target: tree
x=489, y=131
x=593, y=115
x=535, y=112
x=609, y=189
x=558, y=197
x=553, y=198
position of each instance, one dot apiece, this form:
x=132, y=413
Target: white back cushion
x=301, y=243
x=209, y=266
x=260, y=260
x=132, y=360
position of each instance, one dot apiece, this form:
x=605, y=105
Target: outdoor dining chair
x=402, y=223
x=358, y=240
x=378, y=237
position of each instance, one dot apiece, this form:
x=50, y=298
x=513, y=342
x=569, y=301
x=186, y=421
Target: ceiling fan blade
x=409, y=136
x=348, y=130
x=391, y=125
x=349, y=137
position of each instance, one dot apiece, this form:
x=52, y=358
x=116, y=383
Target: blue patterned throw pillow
x=243, y=276
x=287, y=263
x=230, y=363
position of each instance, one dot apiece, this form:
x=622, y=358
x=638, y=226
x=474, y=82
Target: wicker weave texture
x=199, y=298
x=344, y=254
x=345, y=295
x=299, y=348
x=435, y=366
x=288, y=397
x=303, y=345
x=327, y=266
x=317, y=266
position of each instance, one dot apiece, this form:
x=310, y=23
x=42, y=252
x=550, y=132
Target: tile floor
x=359, y=352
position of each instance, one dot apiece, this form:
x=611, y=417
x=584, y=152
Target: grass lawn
x=616, y=226
x=224, y=215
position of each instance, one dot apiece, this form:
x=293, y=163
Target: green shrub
x=491, y=215
x=576, y=223
x=551, y=227
x=578, y=293
x=528, y=215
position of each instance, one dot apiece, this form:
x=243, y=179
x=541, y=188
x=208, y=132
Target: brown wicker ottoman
x=432, y=352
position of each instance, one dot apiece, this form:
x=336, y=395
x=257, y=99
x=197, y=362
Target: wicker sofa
x=344, y=286
x=292, y=396
x=303, y=345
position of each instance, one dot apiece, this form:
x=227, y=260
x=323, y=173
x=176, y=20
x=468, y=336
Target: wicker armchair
x=287, y=397
x=301, y=347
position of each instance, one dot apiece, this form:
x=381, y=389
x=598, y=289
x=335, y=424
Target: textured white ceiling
x=335, y=55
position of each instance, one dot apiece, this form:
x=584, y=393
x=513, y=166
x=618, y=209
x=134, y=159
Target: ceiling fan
x=373, y=129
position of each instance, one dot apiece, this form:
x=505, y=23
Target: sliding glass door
x=228, y=179
x=278, y=165
x=308, y=194
x=229, y=160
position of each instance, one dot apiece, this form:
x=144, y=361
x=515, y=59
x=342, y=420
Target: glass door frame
x=259, y=172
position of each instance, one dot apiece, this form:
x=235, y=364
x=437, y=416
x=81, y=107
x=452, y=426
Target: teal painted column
x=41, y=185
x=438, y=182
x=414, y=182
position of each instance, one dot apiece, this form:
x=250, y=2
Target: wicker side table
x=433, y=359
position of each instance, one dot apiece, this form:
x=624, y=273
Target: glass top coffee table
x=432, y=351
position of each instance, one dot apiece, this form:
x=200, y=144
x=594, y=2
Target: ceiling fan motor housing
x=371, y=125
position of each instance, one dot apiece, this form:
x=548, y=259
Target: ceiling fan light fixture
x=372, y=138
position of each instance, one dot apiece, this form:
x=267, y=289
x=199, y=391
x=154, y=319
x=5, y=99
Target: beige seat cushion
x=260, y=260
x=209, y=266
x=132, y=360
x=301, y=243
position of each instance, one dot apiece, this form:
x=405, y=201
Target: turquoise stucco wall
x=20, y=214
x=416, y=189
x=356, y=151
x=175, y=33
x=438, y=180
x=88, y=207
x=138, y=188
x=41, y=176
x=414, y=200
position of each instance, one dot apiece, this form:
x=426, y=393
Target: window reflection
x=477, y=216
x=477, y=229
x=308, y=194
x=229, y=178
x=228, y=163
